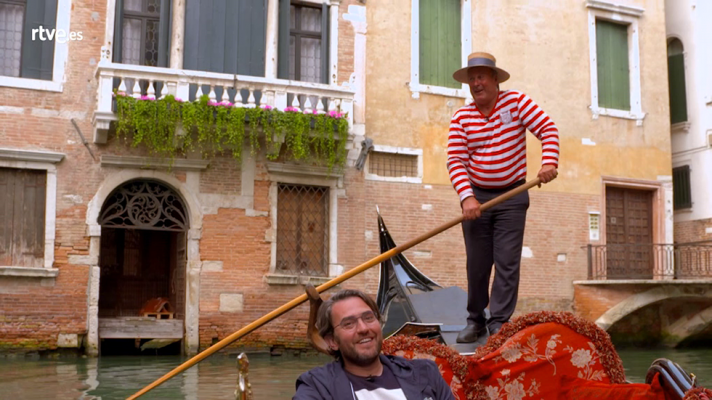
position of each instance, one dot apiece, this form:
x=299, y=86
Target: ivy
x=169, y=127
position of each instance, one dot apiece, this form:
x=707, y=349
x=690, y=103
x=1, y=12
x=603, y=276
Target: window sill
x=29, y=272
x=32, y=84
x=680, y=127
x=401, y=179
x=637, y=116
x=282, y=279
x=417, y=89
x=682, y=211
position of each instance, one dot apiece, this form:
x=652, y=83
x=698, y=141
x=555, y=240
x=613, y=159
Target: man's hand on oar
x=547, y=173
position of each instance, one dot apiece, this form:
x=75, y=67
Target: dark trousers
x=495, y=238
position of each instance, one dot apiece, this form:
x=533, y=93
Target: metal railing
x=650, y=261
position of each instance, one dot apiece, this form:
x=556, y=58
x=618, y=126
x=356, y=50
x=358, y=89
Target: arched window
x=676, y=81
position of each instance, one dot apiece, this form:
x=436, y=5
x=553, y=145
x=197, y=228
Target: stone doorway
x=142, y=263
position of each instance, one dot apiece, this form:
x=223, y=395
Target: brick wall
x=693, y=231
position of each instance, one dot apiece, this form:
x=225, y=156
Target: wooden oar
x=328, y=285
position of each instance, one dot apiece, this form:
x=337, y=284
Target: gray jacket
x=419, y=379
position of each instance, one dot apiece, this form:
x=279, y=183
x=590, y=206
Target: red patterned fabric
x=698, y=394
x=538, y=356
x=582, y=389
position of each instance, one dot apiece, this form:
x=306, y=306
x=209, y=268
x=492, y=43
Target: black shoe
x=493, y=331
x=470, y=334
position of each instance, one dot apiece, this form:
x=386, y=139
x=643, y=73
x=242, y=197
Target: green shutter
x=682, y=193
x=226, y=36
x=118, y=32
x=283, y=40
x=251, y=37
x=38, y=56
x=676, y=80
x=325, y=70
x=440, y=42
x=612, y=65
x=165, y=23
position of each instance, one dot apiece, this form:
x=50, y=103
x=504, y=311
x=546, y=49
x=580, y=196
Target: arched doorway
x=142, y=263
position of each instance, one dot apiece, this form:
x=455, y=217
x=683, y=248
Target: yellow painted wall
x=545, y=46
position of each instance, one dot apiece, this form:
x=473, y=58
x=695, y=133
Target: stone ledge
x=29, y=272
x=30, y=155
x=279, y=279
x=153, y=163
x=644, y=282
x=301, y=170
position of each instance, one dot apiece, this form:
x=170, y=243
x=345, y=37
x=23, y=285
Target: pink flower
x=266, y=107
x=146, y=97
x=292, y=109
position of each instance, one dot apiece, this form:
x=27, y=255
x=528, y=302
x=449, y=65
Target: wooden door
x=629, y=233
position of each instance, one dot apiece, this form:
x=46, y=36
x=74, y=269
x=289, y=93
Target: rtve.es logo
x=42, y=34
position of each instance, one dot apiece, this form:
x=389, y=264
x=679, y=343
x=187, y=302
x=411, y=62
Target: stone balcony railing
x=242, y=90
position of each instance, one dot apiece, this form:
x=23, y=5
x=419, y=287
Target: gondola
x=540, y=355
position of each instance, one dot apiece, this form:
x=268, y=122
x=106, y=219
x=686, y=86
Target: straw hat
x=480, y=59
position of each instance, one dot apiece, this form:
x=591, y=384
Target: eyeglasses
x=349, y=323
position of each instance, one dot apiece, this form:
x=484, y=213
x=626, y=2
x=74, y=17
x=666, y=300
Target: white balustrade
x=143, y=81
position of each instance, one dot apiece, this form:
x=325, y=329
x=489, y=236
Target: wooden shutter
x=22, y=215
x=325, y=64
x=682, y=192
x=676, y=82
x=440, y=42
x=38, y=56
x=612, y=65
x=117, y=55
x=251, y=37
x=283, y=40
x=226, y=36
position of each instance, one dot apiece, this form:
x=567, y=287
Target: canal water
x=117, y=377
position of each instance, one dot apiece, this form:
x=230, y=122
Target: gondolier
x=486, y=158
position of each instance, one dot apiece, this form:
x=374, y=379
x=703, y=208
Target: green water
x=116, y=377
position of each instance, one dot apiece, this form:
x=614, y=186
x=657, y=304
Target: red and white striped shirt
x=491, y=152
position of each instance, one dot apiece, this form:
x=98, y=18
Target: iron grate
x=393, y=165
x=303, y=229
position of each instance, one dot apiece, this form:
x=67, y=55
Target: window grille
x=393, y=165
x=303, y=230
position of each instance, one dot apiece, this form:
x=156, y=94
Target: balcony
x=243, y=91
x=650, y=261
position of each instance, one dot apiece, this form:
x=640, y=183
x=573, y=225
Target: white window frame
x=628, y=16
x=397, y=150
x=61, y=51
x=465, y=37
x=37, y=160
x=312, y=176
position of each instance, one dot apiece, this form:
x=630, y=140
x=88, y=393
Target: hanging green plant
x=169, y=126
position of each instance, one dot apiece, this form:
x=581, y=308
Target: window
x=302, y=230
x=676, y=82
x=612, y=65
x=30, y=58
x=682, y=195
x=440, y=44
x=303, y=41
x=22, y=217
x=142, y=32
x=28, y=193
x=615, y=60
x=440, y=41
x=395, y=164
